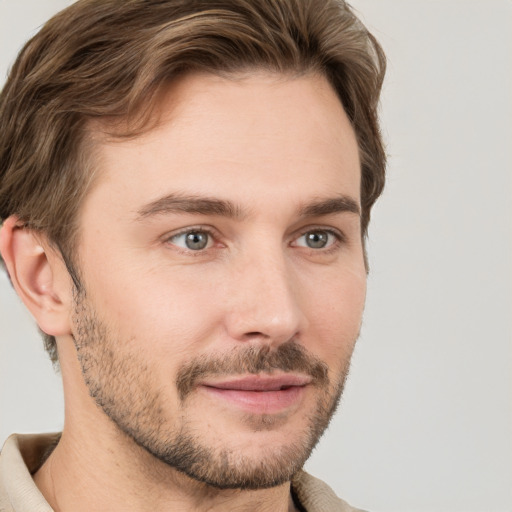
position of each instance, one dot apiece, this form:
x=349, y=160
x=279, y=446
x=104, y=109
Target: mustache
x=287, y=357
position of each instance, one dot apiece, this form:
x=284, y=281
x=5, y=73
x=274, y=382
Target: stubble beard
x=124, y=388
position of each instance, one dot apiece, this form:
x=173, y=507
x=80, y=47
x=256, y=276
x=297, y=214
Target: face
x=223, y=275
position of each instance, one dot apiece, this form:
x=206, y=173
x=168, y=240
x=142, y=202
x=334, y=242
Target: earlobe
x=38, y=276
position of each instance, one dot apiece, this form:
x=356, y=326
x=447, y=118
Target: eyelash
x=338, y=235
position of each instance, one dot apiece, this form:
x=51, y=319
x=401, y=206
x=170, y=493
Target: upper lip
x=260, y=382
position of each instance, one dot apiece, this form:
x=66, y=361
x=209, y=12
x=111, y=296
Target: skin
x=271, y=146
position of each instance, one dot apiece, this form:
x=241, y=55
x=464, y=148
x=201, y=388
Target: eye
x=194, y=240
x=317, y=239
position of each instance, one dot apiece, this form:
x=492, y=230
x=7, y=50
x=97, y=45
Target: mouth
x=260, y=394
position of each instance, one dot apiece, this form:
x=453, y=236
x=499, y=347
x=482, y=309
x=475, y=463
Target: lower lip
x=260, y=402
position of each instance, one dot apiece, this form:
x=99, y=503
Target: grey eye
x=316, y=239
x=192, y=240
x=196, y=240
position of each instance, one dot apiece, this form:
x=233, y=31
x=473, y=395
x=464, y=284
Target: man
x=185, y=191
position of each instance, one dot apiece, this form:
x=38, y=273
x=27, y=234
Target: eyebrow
x=201, y=205
x=330, y=206
x=178, y=203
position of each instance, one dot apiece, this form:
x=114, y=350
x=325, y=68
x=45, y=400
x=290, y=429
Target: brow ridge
x=204, y=205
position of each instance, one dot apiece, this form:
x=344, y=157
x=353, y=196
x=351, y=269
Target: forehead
x=258, y=131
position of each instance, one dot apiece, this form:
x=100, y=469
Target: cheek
x=335, y=315
x=172, y=311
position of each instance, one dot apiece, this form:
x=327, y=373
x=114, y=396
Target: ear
x=38, y=275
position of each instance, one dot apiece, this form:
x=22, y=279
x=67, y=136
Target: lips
x=261, y=383
x=260, y=394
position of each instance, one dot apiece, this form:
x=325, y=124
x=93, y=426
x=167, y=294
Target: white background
x=426, y=422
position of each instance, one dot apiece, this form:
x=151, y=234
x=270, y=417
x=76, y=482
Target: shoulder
x=316, y=496
x=21, y=455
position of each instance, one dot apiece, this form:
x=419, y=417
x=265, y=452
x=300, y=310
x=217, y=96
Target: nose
x=264, y=301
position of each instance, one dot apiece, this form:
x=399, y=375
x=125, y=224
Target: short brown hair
x=107, y=59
